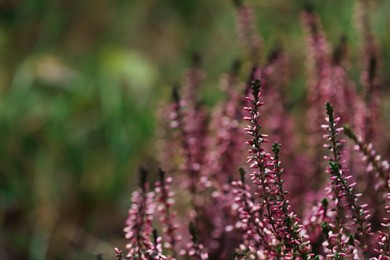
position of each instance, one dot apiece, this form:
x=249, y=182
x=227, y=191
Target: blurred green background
x=80, y=81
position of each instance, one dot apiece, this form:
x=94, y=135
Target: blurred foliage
x=79, y=85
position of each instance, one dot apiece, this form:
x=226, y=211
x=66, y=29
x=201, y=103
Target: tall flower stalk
x=342, y=189
x=266, y=175
x=165, y=202
x=138, y=228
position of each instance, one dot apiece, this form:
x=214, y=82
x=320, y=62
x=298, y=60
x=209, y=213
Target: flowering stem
x=165, y=201
x=363, y=229
x=139, y=222
x=259, y=156
x=247, y=208
x=267, y=177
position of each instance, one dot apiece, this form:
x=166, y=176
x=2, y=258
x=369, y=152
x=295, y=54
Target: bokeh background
x=80, y=82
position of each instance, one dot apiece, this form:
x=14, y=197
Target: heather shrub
x=248, y=180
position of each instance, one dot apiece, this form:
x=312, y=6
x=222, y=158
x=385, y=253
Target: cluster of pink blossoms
x=337, y=208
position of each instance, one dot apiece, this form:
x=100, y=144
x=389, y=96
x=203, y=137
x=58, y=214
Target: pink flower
x=138, y=227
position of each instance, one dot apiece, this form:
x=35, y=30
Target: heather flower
x=344, y=191
x=289, y=223
x=328, y=81
x=266, y=175
x=138, y=228
x=255, y=217
x=167, y=215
